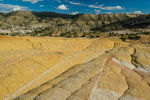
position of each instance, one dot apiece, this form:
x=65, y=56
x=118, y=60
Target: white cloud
x=97, y=10
x=9, y=7
x=96, y=13
x=62, y=7
x=74, y=3
x=113, y=8
x=137, y=12
x=95, y=6
x=74, y=13
x=41, y=5
x=106, y=8
x=32, y=1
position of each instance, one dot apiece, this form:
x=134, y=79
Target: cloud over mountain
x=9, y=7
x=63, y=7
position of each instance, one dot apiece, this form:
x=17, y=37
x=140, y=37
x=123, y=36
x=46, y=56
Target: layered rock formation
x=73, y=69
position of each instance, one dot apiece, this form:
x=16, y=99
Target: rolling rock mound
x=73, y=69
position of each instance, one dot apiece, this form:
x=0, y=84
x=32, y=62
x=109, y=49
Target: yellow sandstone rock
x=73, y=69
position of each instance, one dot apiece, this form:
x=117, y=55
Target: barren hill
x=29, y=18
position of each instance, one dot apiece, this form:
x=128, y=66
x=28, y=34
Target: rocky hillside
x=141, y=21
x=29, y=18
x=73, y=69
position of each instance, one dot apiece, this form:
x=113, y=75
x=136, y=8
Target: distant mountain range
x=30, y=18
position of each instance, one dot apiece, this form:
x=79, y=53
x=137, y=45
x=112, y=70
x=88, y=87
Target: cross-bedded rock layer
x=73, y=69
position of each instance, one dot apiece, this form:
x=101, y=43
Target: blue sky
x=78, y=6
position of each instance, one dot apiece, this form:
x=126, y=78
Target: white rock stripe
x=18, y=92
x=94, y=90
x=28, y=84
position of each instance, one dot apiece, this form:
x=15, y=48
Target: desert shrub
x=74, y=33
x=84, y=35
x=14, y=34
x=68, y=33
x=91, y=36
x=97, y=36
x=42, y=35
x=2, y=34
x=110, y=34
x=94, y=32
x=62, y=35
x=146, y=33
x=68, y=36
x=123, y=38
x=28, y=33
x=135, y=37
x=132, y=34
x=122, y=35
x=33, y=35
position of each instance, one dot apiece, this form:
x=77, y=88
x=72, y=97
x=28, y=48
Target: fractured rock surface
x=73, y=69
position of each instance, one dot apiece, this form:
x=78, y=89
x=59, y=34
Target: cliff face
x=29, y=18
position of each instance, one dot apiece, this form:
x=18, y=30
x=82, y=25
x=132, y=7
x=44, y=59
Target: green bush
x=69, y=36
x=110, y=34
x=28, y=33
x=75, y=33
x=97, y=36
x=2, y=34
x=123, y=38
x=33, y=35
x=135, y=37
x=62, y=34
x=42, y=35
x=83, y=35
x=146, y=33
x=91, y=36
x=138, y=37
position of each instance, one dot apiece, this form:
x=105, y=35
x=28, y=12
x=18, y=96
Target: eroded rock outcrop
x=73, y=69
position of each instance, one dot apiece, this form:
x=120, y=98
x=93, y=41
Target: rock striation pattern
x=73, y=69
